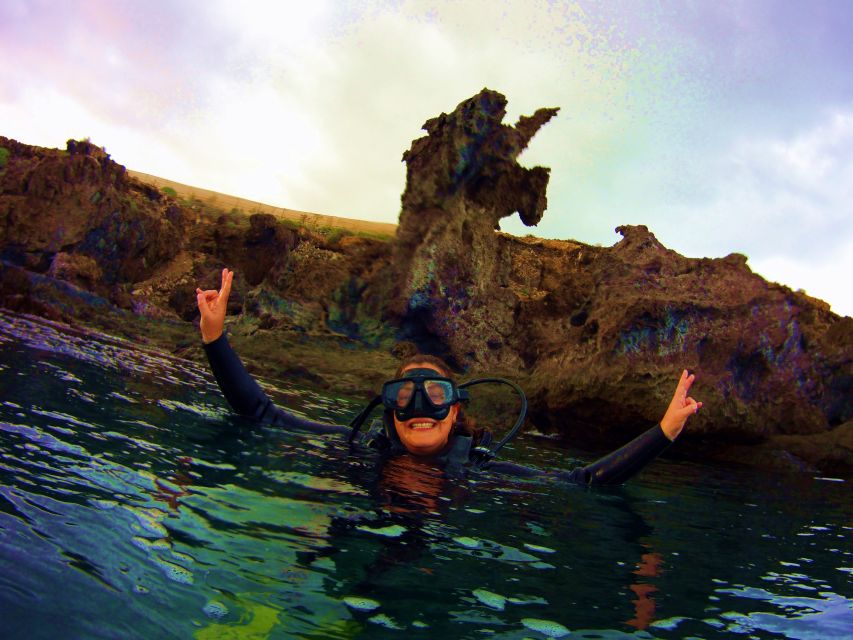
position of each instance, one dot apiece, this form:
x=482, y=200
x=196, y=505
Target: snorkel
x=425, y=393
x=484, y=451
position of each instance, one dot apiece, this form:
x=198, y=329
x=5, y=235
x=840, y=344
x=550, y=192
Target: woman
x=422, y=410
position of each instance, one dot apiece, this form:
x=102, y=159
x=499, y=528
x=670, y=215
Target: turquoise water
x=132, y=505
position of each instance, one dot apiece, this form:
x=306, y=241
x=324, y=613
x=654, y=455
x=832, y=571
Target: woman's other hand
x=680, y=408
x=212, y=304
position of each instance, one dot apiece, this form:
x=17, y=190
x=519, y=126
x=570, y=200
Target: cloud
x=330, y=97
x=310, y=106
x=382, y=73
x=785, y=202
x=827, y=279
x=782, y=196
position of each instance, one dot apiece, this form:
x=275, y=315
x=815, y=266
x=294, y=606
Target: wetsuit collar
x=456, y=455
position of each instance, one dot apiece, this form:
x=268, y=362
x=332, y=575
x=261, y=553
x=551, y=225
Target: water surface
x=133, y=505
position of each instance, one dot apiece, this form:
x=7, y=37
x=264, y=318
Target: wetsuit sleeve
x=614, y=468
x=247, y=398
x=625, y=462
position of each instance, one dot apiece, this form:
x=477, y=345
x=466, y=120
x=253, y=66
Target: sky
x=724, y=126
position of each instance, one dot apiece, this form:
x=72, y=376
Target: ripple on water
x=44, y=440
x=490, y=599
x=224, y=466
x=360, y=604
x=61, y=374
x=269, y=533
x=500, y=552
x=150, y=546
x=393, y=531
x=136, y=442
x=174, y=572
x=468, y=543
x=546, y=627
x=83, y=396
x=202, y=410
x=121, y=396
x=149, y=522
x=62, y=417
x=386, y=621
x=826, y=618
x=314, y=482
x=215, y=609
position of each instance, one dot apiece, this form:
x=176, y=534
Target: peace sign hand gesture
x=680, y=407
x=213, y=304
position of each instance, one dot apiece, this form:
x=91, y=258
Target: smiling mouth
x=422, y=426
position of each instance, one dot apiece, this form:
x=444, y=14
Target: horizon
x=723, y=127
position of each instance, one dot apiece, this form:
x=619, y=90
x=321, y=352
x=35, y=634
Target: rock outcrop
x=79, y=201
x=450, y=292
x=602, y=332
x=597, y=335
x=77, y=217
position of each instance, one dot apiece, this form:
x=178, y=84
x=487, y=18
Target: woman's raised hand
x=212, y=305
x=680, y=408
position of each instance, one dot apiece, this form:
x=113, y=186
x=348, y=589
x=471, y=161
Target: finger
x=202, y=303
x=692, y=405
x=686, y=411
x=227, y=277
x=680, y=392
x=685, y=380
x=684, y=384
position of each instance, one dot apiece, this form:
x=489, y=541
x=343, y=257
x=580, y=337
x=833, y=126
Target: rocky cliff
x=77, y=216
x=603, y=332
x=597, y=335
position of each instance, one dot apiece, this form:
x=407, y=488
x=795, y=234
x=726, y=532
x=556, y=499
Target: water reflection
x=411, y=486
x=133, y=504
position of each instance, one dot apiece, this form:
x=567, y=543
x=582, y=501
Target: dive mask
x=421, y=393
x=424, y=393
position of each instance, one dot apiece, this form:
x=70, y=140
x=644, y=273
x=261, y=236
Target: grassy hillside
x=227, y=203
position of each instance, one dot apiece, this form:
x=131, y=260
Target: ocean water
x=133, y=505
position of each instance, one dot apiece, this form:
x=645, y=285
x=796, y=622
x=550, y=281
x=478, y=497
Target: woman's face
x=425, y=436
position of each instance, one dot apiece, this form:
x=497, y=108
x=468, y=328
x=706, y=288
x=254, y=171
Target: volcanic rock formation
x=603, y=332
x=462, y=178
x=78, y=214
x=597, y=335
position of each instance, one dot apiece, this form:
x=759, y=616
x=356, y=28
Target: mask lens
x=404, y=393
x=439, y=392
x=420, y=393
x=398, y=394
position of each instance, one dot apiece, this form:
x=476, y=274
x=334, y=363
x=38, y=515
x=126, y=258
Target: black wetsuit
x=248, y=399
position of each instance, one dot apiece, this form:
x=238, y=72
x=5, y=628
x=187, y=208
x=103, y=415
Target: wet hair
x=463, y=425
x=422, y=358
